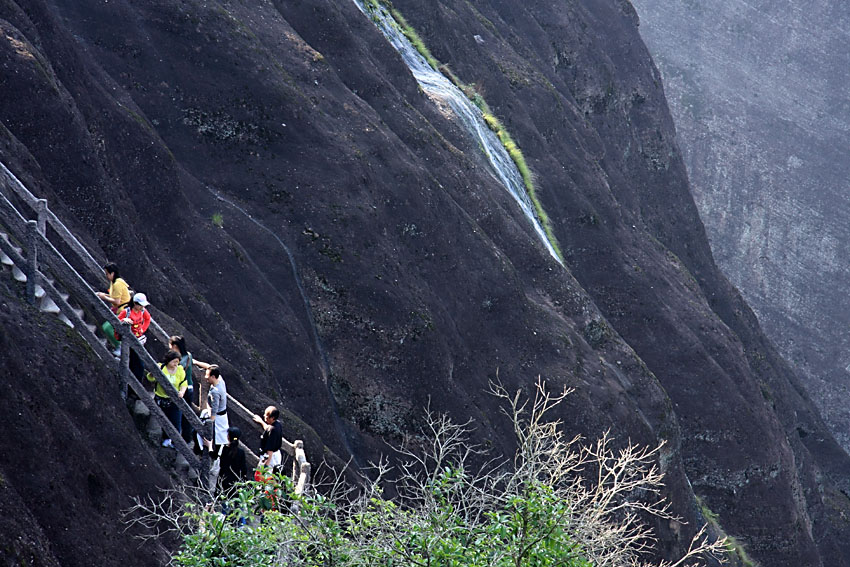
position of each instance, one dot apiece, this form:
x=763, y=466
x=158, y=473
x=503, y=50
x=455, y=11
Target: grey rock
x=758, y=91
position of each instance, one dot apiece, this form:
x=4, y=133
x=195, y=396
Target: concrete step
x=48, y=306
x=5, y=260
x=65, y=320
x=141, y=410
x=80, y=313
x=91, y=328
x=154, y=431
x=181, y=464
x=64, y=295
x=18, y=274
x=39, y=292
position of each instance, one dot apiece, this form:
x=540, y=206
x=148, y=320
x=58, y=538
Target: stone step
x=141, y=410
x=18, y=274
x=5, y=260
x=154, y=431
x=64, y=295
x=39, y=292
x=91, y=328
x=65, y=320
x=48, y=306
x=181, y=464
x=80, y=313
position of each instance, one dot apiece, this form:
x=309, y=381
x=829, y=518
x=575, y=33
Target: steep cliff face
x=270, y=174
x=758, y=93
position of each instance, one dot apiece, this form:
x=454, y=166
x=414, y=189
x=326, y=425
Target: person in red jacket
x=139, y=317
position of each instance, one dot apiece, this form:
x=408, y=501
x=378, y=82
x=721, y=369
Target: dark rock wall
x=643, y=256
x=758, y=90
x=416, y=278
x=71, y=456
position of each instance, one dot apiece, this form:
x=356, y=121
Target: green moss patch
x=489, y=118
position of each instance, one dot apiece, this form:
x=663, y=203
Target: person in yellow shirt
x=119, y=292
x=116, y=296
x=175, y=373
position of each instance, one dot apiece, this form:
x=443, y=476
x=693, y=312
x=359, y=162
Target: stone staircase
x=55, y=286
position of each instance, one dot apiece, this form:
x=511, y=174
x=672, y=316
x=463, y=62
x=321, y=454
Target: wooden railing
x=39, y=251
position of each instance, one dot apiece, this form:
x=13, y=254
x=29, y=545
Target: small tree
x=556, y=503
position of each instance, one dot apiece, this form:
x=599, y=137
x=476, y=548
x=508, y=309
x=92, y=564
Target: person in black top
x=233, y=466
x=272, y=438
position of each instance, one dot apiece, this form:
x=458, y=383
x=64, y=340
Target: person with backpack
x=136, y=314
x=117, y=295
x=234, y=467
x=271, y=439
x=175, y=374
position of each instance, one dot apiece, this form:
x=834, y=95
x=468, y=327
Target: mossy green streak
x=489, y=118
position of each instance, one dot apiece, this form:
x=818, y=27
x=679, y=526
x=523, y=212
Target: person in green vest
x=175, y=374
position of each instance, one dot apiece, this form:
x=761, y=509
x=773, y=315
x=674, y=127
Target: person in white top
x=217, y=399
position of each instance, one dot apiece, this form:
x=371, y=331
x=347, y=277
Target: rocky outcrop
x=757, y=91
x=271, y=176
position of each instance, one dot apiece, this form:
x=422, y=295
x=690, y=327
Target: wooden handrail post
x=41, y=211
x=206, y=460
x=32, y=260
x=296, y=466
x=124, y=368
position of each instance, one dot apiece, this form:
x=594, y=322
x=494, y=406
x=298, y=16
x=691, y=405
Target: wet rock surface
x=272, y=177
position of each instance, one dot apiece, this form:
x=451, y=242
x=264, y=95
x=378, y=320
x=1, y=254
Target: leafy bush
x=538, y=509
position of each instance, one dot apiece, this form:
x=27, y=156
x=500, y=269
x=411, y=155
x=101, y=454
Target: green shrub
x=555, y=503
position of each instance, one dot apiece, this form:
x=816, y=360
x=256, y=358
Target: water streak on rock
x=324, y=364
x=447, y=96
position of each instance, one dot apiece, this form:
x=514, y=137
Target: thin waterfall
x=444, y=92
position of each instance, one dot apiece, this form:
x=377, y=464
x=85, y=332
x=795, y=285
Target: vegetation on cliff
x=557, y=503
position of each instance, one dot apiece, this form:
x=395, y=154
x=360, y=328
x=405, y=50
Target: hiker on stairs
x=234, y=467
x=217, y=400
x=217, y=413
x=117, y=295
x=177, y=344
x=172, y=370
x=139, y=317
x=272, y=438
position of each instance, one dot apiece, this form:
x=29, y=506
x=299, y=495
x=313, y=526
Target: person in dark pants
x=139, y=318
x=175, y=374
x=233, y=465
x=177, y=344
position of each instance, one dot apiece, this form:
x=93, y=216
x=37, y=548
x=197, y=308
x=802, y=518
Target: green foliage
x=527, y=529
x=217, y=220
x=552, y=504
x=737, y=550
